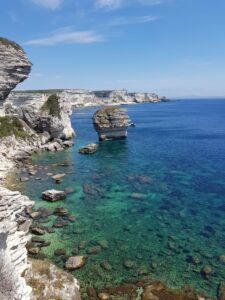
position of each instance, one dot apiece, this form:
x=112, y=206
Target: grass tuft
x=11, y=125
x=52, y=106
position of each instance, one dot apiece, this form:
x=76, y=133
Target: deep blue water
x=158, y=197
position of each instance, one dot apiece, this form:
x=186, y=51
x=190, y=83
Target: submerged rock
x=221, y=291
x=58, y=177
x=35, y=229
x=53, y=195
x=75, y=262
x=129, y=264
x=103, y=296
x=206, y=271
x=111, y=122
x=60, y=252
x=106, y=266
x=88, y=149
x=61, y=211
x=34, y=251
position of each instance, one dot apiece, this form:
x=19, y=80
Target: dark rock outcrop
x=111, y=122
x=53, y=195
x=14, y=66
x=88, y=149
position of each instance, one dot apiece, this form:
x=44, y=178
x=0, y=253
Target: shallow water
x=157, y=197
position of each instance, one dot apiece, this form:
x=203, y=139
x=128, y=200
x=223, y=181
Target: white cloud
x=67, y=36
x=132, y=20
x=51, y=4
x=151, y=2
x=111, y=4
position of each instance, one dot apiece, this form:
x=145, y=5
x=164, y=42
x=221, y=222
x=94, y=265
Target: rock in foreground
x=53, y=195
x=111, y=122
x=50, y=282
x=88, y=149
x=75, y=262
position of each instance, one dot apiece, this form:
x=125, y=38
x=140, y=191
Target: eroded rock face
x=13, y=238
x=43, y=113
x=14, y=66
x=50, y=282
x=111, y=122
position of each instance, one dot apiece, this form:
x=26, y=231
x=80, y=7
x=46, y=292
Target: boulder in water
x=53, y=195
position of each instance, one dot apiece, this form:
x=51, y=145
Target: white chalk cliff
x=14, y=66
x=24, y=128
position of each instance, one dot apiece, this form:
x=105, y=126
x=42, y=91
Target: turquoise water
x=158, y=197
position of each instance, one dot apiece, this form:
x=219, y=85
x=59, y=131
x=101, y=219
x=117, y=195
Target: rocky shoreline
x=25, y=129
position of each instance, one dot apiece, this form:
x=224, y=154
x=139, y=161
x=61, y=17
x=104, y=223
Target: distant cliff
x=85, y=98
x=80, y=98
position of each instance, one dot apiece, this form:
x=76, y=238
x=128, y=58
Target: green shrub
x=52, y=106
x=107, y=110
x=11, y=125
x=9, y=43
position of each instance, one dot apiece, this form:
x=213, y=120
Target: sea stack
x=111, y=123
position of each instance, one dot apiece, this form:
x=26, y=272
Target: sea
x=152, y=204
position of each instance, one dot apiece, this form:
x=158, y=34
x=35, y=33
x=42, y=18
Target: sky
x=175, y=48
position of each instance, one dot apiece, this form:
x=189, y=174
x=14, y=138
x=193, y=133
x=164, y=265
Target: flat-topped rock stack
x=111, y=122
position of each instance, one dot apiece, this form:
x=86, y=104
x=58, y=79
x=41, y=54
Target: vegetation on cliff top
x=11, y=125
x=107, y=110
x=9, y=43
x=49, y=92
x=52, y=106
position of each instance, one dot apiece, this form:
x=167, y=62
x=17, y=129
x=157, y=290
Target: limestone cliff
x=14, y=66
x=42, y=113
x=86, y=98
x=80, y=98
x=24, y=128
x=14, y=228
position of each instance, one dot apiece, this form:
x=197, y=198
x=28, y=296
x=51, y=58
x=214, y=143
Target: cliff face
x=14, y=66
x=25, y=126
x=80, y=98
x=14, y=228
x=42, y=113
x=85, y=98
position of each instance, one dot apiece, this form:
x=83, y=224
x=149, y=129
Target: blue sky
x=171, y=47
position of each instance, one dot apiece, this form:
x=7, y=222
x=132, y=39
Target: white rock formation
x=83, y=98
x=28, y=106
x=13, y=238
x=14, y=66
x=16, y=144
x=80, y=98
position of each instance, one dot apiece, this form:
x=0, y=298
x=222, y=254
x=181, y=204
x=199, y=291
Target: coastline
x=149, y=286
